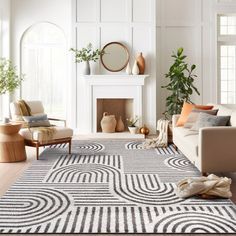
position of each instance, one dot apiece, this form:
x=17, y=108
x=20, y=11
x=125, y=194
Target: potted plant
x=86, y=55
x=9, y=79
x=131, y=124
x=181, y=85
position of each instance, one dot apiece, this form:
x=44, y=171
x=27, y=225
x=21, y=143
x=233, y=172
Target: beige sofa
x=213, y=149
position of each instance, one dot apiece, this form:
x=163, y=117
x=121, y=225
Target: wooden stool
x=12, y=145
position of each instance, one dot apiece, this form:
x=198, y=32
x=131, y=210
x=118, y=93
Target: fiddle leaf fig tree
x=180, y=86
x=9, y=79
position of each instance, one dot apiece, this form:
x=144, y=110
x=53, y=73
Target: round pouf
x=12, y=145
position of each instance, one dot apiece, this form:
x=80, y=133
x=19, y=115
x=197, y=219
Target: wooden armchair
x=34, y=137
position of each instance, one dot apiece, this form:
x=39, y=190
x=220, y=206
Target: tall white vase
x=135, y=69
x=86, y=68
x=128, y=69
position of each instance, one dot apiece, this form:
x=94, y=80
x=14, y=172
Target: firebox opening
x=117, y=107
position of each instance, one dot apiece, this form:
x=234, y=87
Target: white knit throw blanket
x=211, y=185
x=162, y=139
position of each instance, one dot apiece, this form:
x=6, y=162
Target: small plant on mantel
x=181, y=85
x=131, y=122
x=86, y=55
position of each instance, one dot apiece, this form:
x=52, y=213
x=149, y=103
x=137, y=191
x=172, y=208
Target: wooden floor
x=10, y=172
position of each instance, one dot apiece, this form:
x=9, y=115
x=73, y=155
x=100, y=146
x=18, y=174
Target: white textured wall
x=5, y=28
x=4, y=48
x=181, y=23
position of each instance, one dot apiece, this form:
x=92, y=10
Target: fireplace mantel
x=113, y=86
x=115, y=79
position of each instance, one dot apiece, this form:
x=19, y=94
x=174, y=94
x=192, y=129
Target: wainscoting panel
x=87, y=11
x=142, y=11
x=180, y=12
x=115, y=11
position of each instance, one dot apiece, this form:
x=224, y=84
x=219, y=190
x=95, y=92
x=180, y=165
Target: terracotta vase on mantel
x=141, y=63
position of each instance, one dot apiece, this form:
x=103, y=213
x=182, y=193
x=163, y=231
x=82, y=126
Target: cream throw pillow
x=193, y=116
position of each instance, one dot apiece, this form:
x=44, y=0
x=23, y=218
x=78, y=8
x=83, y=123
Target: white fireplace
x=100, y=88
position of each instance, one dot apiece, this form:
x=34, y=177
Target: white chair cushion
x=35, y=106
x=61, y=132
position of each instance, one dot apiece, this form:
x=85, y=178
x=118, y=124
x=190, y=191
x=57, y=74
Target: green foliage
x=181, y=84
x=9, y=80
x=86, y=54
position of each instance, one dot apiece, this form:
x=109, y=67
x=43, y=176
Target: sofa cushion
x=188, y=139
x=187, y=108
x=61, y=132
x=193, y=116
x=223, y=110
x=207, y=120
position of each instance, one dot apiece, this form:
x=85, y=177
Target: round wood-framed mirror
x=115, y=56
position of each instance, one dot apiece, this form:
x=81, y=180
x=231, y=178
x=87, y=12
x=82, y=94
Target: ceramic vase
x=135, y=69
x=133, y=130
x=120, y=127
x=108, y=123
x=86, y=68
x=141, y=63
x=128, y=69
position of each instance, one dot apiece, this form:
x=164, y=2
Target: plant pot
x=133, y=130
x=86, y=68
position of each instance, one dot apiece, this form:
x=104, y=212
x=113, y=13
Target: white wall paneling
x=132, y=22
x=86, y=11
x=4, y=48
x=115, y=11
x=179, y=24
x=142, y=11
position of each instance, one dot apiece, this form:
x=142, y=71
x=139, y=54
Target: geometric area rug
x=110, y=186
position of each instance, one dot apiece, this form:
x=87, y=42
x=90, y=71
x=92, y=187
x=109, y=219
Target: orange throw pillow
x=203, y=107
x=186, y=109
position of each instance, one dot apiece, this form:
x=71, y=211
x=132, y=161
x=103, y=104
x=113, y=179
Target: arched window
x=44, y=63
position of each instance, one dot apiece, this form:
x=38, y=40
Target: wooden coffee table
x=12, y=145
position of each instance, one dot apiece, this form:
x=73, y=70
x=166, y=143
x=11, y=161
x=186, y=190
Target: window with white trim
x=44, y=63
x=227, y=58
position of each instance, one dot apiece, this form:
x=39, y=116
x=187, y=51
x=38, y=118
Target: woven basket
x=108, y=123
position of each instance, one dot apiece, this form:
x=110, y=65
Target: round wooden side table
x=12, y=145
